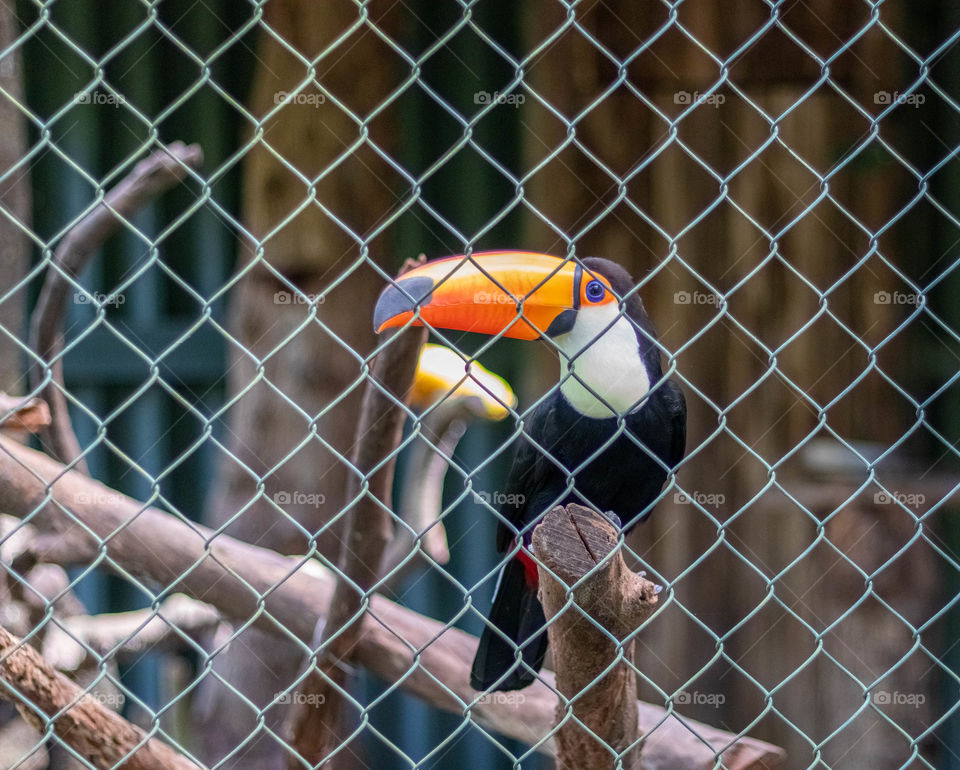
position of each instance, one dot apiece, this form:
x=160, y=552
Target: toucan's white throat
x=603, y=356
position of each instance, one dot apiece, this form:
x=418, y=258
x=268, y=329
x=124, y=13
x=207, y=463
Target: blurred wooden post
x=16, y=196
x=293, y=368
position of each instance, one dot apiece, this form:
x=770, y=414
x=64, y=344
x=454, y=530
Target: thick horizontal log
x=289, y=595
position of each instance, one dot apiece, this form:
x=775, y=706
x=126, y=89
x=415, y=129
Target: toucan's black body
x=621, y=474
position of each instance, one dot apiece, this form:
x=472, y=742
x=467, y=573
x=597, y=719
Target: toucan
x=607, y=436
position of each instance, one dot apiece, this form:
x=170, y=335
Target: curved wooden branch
x=150, y=177
x=288, y=595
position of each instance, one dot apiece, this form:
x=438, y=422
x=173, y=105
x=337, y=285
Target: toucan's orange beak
x=518, y=294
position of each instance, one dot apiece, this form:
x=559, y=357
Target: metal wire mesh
x=685, y=288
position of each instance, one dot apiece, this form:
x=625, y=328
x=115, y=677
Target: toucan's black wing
x=515, y=628
x=532, y=475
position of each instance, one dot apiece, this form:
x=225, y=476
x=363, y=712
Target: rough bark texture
x=579, y=560
x=318, y=730
x=289, y=595
x=314, y=192
x=103, y=738
x=15, y=199
x=149, y=178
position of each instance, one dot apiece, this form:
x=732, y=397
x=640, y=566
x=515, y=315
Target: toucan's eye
x=595, y=291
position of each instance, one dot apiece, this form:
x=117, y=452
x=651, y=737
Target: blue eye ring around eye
x=595, y=291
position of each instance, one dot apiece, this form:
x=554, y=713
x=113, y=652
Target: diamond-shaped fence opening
x=240, y=528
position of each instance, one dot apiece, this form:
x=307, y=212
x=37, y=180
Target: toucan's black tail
x=519, y=622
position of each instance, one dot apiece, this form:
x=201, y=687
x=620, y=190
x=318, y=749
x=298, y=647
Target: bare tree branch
x=149, y=178
x=317, y=729
x=288, y=595
x=127, y=635
x=104, y=738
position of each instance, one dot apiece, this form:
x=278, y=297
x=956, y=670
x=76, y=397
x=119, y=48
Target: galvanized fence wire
x=463, y=478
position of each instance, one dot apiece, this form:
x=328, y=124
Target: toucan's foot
x=656, y=588
x=613, y=519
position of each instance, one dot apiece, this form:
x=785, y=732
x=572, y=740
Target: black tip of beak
x=402, y=297
x=562, y=324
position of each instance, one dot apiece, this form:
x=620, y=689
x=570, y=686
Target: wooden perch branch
x=369, y=527
x=103, y=737
x=149, y=178
x=396, y=644
x=578, y=548
x=29, y=415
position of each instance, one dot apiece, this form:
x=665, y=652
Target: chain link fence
x=780, y=179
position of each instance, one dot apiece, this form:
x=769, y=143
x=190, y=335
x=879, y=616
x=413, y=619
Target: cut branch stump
x=595, y=603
